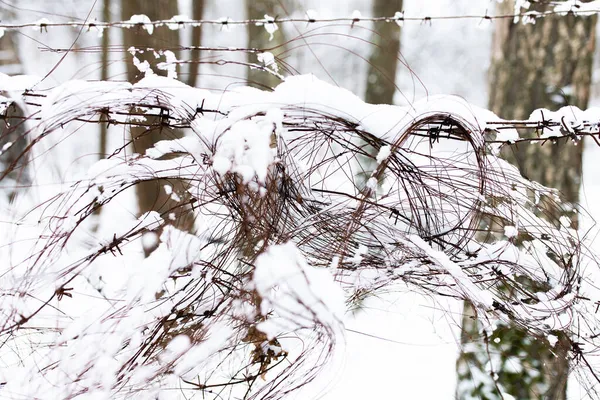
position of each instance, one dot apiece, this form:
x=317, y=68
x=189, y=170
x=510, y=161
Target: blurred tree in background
x=194, y=70
x=11, y=133
x=383, y=62
x=381, y=71
x=547, y=64
x=152, y=195
x=258, y=38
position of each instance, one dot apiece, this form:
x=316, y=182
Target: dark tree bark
x=383, y=62
x=259, y=38
x=161, y=39
x=197, y=13
x=104, y=70
x=105, y=43
x=543, y=65
x=381, y=73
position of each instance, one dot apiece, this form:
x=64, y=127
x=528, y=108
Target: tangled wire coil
x=302, y=205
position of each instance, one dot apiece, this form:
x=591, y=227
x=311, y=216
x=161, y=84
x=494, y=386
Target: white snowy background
x=399, y=345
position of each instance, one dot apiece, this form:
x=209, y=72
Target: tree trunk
x=12, y=126
x=161, y=38
x=383, y=62
x=9, y=55
x=104, y=70
x=102, y=145
x=381, y=74
x=152, y=195
x=259, y=38
x=543, y=65
x=197, y=13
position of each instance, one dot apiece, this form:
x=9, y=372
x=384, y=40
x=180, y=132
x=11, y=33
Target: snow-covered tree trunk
x=543, y=65
x=259, y=38
x=152, y=195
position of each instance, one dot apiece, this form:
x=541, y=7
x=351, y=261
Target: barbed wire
x=544, y=130
x=400, y=17
x=440, y=191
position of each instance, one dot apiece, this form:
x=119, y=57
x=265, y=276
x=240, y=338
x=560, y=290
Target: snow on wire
x=521, y=13
x=251, y=302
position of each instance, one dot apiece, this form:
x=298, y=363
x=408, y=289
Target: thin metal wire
x=400, y=18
